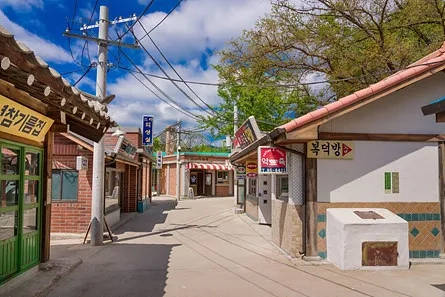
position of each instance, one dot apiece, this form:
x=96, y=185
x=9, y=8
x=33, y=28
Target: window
x=283, y=187
x=64, y=185
x=252, y=186
x=113, y=189
x=223, y=177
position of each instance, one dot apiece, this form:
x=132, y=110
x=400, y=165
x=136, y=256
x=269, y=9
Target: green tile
x=436, y=216
x=321, y=218
x=422, y=254
x=435, y=231
x=430, y=254
x=436, y=253
x=322, y=233
x=415, y=216
x=410, y=254
x=408, y=217
x=421, y=217
x=416, y=254
x=322, y=255
x=428, y=216
x=414, y=232
x=402, y=215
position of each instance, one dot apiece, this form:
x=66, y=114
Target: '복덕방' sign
x=247, y=134
x=330, y=149
x=271, y=160
x=22, y=121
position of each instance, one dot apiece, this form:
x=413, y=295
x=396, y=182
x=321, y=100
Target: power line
x=163, y=19
x=166, y=74
x=83, y=75
x=138, y=18
x=176, y=105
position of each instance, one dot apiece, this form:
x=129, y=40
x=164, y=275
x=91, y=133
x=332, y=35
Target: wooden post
x=311, y=211
x=442, y=194
x=46, y=209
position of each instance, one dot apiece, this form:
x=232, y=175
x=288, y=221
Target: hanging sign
x=330, y=149
x=272, y=160
x=147, y=130
x=22, y=121
x=247, y=134
x=240, y=170
x=159, y=160
x=251, y=169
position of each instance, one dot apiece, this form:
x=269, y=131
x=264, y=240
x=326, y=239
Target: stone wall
x=287, y=227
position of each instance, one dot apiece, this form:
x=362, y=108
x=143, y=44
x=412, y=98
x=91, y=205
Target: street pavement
x=201, y=248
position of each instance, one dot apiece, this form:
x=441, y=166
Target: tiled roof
x=427, y=63
x=21, y=64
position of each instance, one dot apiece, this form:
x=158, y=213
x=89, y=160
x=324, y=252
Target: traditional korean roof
x=30, y=73
x=428, y=65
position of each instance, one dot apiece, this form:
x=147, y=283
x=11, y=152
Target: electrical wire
x=83, y=75
x=85, y=45
x=163, y=19
x=170, y=100
x=166, y=74
x=130, y=28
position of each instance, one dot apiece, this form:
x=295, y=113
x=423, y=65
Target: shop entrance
x=20, y=207
x=197, y=182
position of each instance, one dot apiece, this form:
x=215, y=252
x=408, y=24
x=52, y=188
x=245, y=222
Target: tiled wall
x=287, y=227
x=423, y=220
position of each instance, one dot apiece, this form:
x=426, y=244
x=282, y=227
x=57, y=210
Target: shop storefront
x=35, y=102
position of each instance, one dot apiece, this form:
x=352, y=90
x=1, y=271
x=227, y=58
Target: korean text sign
x=271, y=160
x=159, y=160
x=147, y=130
x=22, y=121
x=330, y=149
x=251, y=168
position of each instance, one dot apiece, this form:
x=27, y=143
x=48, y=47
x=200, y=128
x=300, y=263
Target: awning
x=209, y=166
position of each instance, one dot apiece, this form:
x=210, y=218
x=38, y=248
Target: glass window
x=8, y=225
x=29, y=220
x=113, y=180
x=9, y=193
x=32, y=163
x=31, y=191
x=64, y=185
x=223, y=177
x=283, y=187
x=10, y=164
x=252, y=186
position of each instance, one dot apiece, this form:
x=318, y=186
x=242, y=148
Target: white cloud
x=44, y=48
x=22, y=5
x=193, y=29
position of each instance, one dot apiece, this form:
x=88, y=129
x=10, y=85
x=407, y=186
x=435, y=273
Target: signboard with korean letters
x=159, y=160
x=271, y=160
x=330, y=149
x=22, y=121
x=247, y=134
x=251, y=169
x=147, y=130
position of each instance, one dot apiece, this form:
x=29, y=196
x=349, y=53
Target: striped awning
x=209, y=166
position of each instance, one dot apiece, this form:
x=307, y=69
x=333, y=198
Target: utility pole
x=178, y=164
x=97, y=201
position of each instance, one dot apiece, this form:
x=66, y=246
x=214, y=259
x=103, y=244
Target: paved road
x=200, y=248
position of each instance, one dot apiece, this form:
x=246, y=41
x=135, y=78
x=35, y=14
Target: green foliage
x=351, y=43
x=208, y=148
x=157, y=145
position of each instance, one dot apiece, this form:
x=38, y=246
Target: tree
x=349, y=43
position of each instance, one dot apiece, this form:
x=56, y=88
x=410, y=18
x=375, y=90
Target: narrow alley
x=201, y=248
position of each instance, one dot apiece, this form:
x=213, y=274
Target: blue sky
x=190, y=38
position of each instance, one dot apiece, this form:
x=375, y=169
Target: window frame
x=61, y=200
x=222, y=180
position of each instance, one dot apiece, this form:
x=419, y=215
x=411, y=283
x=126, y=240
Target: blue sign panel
x=147, y=130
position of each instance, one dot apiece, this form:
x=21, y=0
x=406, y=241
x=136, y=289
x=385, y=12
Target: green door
x=20, y=208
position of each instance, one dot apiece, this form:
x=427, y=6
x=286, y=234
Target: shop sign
x=159, y=160
x=272, y=160
x=251, y=169
x=240, y=170
x=147, y=130
x=247, y=134
x=330, y=149
x=81, y=163
x=22, y=121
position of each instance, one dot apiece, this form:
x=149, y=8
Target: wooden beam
x=382, y=137
x=22, y=97
x=16, y=138
x=46, y=207
x=311, y=209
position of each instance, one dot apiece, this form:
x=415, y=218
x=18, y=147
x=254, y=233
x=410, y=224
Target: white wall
x=362, y=179
x=399, y=112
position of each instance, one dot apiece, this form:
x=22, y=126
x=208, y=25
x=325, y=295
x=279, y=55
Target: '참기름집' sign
x=271, y=159
x=251, y=169
x=330, y=149
x=247, y=134
x=147, y=130
x=22, y=121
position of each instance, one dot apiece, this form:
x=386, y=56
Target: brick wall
x=135, y=138
x=287, y=227
x=222, y=191
x=129, y=199
x=72, y=217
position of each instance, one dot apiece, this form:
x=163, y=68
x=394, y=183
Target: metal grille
x=296, y=179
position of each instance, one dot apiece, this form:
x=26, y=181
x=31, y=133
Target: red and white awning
x=209, y=166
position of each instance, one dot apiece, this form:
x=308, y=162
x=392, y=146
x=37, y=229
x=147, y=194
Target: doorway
x=20, y=207
x=208, y=184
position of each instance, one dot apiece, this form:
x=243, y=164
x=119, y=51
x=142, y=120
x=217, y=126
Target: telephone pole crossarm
x=100, y=40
